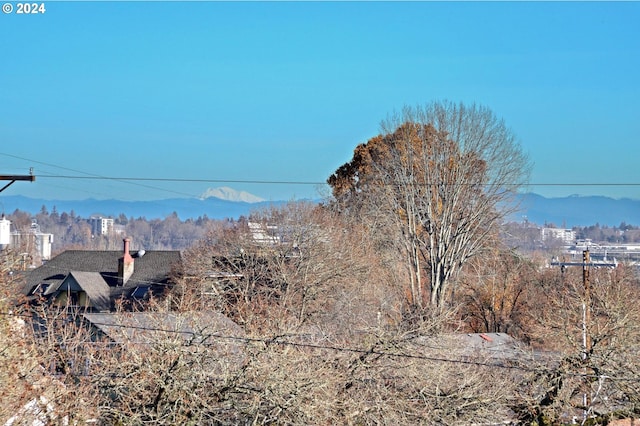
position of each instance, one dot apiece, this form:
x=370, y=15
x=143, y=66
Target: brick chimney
x=125, y=264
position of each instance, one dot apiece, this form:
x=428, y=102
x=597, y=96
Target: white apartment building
x=567, y=236
x=101, y=225
x=35, y=245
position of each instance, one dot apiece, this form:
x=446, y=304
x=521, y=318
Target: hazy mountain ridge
x=578, y=210
x=565, y=211
x=214, y=208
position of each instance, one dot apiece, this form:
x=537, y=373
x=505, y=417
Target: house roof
x=152, y=269
x=469, y=344
x=149, y=327
x=500, y=348
x=91, y=283
x=220, y=340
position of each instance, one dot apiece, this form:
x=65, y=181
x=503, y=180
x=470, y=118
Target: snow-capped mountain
x=230, y=194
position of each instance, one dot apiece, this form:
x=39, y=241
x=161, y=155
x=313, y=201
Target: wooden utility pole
x=586, y=321
x=586, y=304
x=586, y=336
x=30, y=177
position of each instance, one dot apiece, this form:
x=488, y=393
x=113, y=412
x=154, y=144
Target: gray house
x=96, y=280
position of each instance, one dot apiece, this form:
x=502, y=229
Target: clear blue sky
x=284, y=91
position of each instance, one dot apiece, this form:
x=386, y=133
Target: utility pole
x=586, y=321
x=30, y=177
x=586, y=336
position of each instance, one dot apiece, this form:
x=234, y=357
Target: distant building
x=606, y=251
x=35, y=245
x=264, y=234
x=101, y=225
x=5, y=232
x=567, y=236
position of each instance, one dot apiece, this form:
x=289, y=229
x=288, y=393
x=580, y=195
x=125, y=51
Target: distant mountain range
x=565, y=211
x=216, y=203
x=578, y=210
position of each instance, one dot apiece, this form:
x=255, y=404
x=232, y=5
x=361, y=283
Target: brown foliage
x=498, y=293
x=435, y=183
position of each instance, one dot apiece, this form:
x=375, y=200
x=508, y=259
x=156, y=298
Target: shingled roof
x=91, y=283
x=151, y=270
x=222, y=339
x=149, y=327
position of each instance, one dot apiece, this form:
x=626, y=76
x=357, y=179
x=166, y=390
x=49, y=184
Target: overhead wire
x=278, y=340
x=192, y=198
x=91, y=175
x=133, y=180
x=299, y=182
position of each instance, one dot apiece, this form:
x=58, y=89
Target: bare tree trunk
x=444, y=176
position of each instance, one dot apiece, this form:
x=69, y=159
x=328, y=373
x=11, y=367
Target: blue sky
x=210, y=92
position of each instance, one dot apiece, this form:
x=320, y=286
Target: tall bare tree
x=443, y=177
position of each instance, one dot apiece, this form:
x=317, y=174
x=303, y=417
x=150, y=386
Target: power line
x=133, y=180
x=91, y=175
x=191, y=180
x=277, y=340
x=298, y=182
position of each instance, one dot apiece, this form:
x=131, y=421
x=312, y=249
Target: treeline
x=623, y=233
x=75, y=232
x=527, y=236
x=171, y=233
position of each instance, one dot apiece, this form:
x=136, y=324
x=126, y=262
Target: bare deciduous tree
x=444, y=175
x=323, y=342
